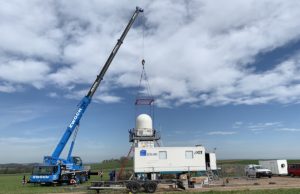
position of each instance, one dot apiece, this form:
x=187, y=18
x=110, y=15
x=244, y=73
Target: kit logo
x=143, y=153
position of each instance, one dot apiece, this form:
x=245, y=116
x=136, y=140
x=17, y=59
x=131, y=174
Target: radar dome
x=143, y=121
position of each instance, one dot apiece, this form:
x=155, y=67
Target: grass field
x=12, y=184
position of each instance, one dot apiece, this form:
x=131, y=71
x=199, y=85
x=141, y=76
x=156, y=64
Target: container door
x=213, y=161
x=207, y=160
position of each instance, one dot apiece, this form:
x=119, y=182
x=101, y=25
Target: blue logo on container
x=143, y=153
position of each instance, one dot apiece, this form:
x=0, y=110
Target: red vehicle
x=294, y=169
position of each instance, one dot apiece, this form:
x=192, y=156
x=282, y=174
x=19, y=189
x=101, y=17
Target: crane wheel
x=64, y=179
x=72, y=181
x=83, y=178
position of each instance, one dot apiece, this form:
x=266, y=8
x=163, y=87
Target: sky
x=225, y=74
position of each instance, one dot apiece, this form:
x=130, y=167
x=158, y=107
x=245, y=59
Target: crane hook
x=143, y=63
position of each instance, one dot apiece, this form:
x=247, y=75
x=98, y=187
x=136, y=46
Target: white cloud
x=107, y=98
x=269, y=126
x=7, y=88
x=98, y=97
x=288, y=129
x=221, y=133
x=263, y=126
x=257, y=127
x=237, y=124
x=27, y=71
x=53, y=95
x=197, y=52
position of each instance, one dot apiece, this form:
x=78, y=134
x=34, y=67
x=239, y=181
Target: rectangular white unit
x=144, y=132
x=278, y=167
x=169, y=159
x=213, y=161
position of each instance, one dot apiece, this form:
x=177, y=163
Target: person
x=100, y=173
x=24, y=180
x=111, y=176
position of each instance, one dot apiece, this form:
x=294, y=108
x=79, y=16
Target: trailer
x=184, y=167
x=136, y=186
x=277, y=167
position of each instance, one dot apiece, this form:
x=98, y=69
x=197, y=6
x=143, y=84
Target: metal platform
x=144, y=101
x=134, y=136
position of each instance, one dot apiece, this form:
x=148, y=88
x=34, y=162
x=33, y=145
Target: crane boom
x=87, y=99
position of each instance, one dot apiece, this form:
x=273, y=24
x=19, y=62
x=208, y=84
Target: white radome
x=143, y=121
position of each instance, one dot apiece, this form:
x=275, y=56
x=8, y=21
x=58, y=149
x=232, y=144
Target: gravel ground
x=232, y=184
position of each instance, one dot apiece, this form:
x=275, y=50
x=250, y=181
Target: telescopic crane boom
x=87, y=99
x=56, y=170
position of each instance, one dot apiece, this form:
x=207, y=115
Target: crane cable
x=143, y=74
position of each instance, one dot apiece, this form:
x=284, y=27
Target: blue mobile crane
x=56, y=170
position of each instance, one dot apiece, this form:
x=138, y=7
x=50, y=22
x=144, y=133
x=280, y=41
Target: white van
x=254, y=170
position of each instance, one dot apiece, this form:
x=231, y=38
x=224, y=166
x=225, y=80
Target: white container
x=213, y=161
x=277, y=167
x=169, y=159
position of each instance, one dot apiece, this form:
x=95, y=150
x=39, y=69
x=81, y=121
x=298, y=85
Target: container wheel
x=128, y=185
x=150, y=187
x=134, y=187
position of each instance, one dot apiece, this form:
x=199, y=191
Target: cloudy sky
x=225, y=74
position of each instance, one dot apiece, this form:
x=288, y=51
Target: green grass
x=12, y=184
x=222, y=162
x=111, y=165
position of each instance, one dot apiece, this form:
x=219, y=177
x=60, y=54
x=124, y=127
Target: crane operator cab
x=75, y=163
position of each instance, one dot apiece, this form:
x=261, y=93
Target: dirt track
x=246, y=184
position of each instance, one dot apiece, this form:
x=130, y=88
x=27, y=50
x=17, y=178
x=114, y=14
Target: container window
x=162, y=155
x=189, y=155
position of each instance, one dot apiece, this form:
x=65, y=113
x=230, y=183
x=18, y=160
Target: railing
x=133, y=135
